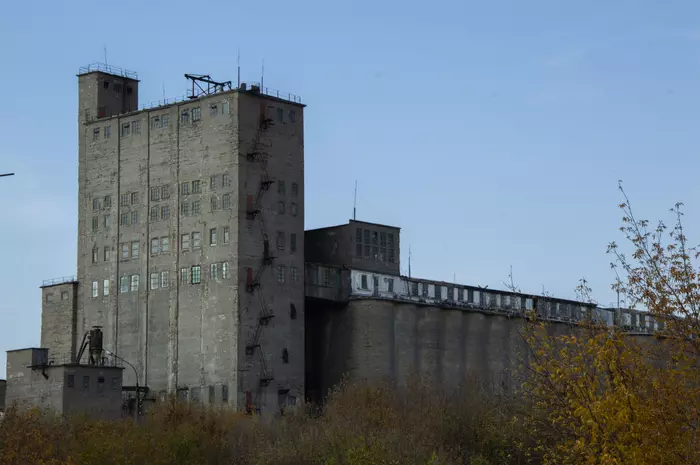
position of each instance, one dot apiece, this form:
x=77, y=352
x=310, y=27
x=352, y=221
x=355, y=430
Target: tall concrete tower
x=190, y=238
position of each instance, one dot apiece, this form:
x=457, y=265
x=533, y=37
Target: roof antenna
x=354, y=204
x=409, y=260
x=262, y=77
x=239, y=68
x=105, y=48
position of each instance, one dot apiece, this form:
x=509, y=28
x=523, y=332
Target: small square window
x=293, y=209
x=214, y=203
x=196, y=274
x=95, y=223
x=126, y=129
x=124, y=200
x=196, y=207
x=105, y=84
x=196, y=240
x=125, y=251
x=135, y=249
x=166, y=120
x=154, y=214
x=293, y=242
x=105, y=287
x=280, y=208
x=213, y=110
x=107, y=221
x=134, y=217
x=155, y=280
x=281, y=187
x=184, y=275
x=280, y=240
x=136, y=126
x=165, y=192
x=156, y=123
x=196, y=114
x=185, y=242
x=134, y=283
x=227, y=234
x=212, y=237
x=295, y=189
x=225, y=180
x=196, y=189
x=225, y=272
x=70, y=381
x=164, y=212
x=224, y=107
x=226, y=201
x=95, y=289
x=64, y=295
x=293, y=274
x=96, y=134
x=214, y=271
x=155, y=246
x=155, y=194
x=86, y=382
x=185, y=116
x=292, y=116
x=280, y=273
x=164, y=279
x=185, y=188
x=214, y=182
x=280, y=115
x=184, y=209
x=134, y=198
x=123, y=284
x=164, y=244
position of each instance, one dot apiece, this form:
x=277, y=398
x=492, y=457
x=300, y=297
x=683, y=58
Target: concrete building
x=190, y=239
x=65, y=389
x=3, y=387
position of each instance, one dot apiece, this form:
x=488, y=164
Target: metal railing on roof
x=105, y=68
x=278, y=93
x=61, y=280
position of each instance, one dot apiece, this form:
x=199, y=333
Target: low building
x=33, y=381
x=3, y=385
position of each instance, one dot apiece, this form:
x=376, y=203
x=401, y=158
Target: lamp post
x=138, y=402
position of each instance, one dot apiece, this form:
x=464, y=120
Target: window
x=184, y=209
x=134, y=283
x=196, y=189
x=196, y=240
x=96, y=134
x=126, y=129
x=364, y=281
x=165, y=244
x=124, y=200
x=414, y=288
x=154, y=281
x=106, y=253
x=94, y=254
x=460, y=294
x=391, y=284
x=196, y=114
x=214, y=182
x=165, y=192
x=224, y=107
x=280, y=187
x=95, y=223
x=100, y=384
x=470, y=295
x=227, y=234
x=117, y=88
x=185, y=116
x=285, y=356
x=293, y=116
x=134, y=198
x=196, y=274
x=450, y=293
x=105, y=287
x=292, y=311
x=108, y=131
x=124, y=284
x=293, y=273
x=164, y=279
x=214, y=271
x=164, y=212
x=225, y=180
x=280, y=273
x=107, y=221
x=49, y=298
x=155, y=194
x=134, y=217
x=96, y=203
x=156, y=123
x=280, y=240
x=125, y=219
x=326, y=276
x=196, y=207
x=293, y=242
x=154, y=214
x=438, y=292
x=214, y=203
x=86, y=382
x=185, y=188
x=212, y=236
x=213, y=110
x=225, y=273
x=135, y=249
x=184, y=275
x=280, y=114
x=390, y=247
x=108, y=201
x=70, y=381
x=125, y=251
x=295, y=189
x=185, y=242
x=165, y=119
x=293, y=208
x=155, y=246
x=115, y=384
x=95, y=289
x=226, y=201
x=136, y=126
x=105, y=84
x=280, y=207
x=375, y=283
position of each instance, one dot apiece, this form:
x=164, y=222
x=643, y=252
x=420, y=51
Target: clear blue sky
x=492, y=132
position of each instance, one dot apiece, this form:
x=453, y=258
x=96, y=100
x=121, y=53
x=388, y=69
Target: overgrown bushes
x=362, y=424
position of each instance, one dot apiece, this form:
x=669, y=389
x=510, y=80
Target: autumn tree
x=599, y=395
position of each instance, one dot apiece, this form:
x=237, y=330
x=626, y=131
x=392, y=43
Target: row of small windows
x=374, y=245
x=117, y=87
x=70, y=383
x=195, y=187
x=193, y=274
x=49, y=296
x=282, y=208
x=195, y=207
x=281, y=241
x=282, y=271
x=102, y=203
x=282, y=188
x=279, y=114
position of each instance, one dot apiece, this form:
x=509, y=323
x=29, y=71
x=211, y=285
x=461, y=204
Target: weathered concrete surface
x=3, y=388
x=58, y=320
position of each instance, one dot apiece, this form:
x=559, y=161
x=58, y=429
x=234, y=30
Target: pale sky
x=492, y=132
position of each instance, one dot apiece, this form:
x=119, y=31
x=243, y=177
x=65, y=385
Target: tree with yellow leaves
x=602, y=396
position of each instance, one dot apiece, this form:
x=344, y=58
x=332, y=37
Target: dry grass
x=361, y=424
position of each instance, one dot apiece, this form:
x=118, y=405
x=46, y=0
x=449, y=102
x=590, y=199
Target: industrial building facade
x=190, y=240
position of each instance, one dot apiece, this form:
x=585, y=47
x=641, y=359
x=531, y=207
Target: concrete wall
x=58, y=320
x=95, y=391
x=27, y=387
x=3, y=388
x=191, y=335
